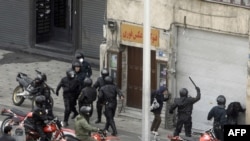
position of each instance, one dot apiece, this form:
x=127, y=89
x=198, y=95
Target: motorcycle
x=101, y=135
x=13, y=115
x=25, y=88
x=53, y=128
x=208, y=136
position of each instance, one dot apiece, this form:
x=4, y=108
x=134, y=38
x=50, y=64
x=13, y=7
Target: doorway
x=54, y=24
x=135, y=73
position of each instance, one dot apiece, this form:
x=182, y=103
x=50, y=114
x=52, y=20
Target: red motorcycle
x=101, y=135
x=208, y=136
x=54, y=128
x=13, y=115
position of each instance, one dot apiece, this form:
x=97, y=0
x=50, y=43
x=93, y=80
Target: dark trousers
x=156, y=122
x=218, y=133
x=99, y=106
x=39, y=128
x=187, y=122
x=109, y=114
x=69, y=106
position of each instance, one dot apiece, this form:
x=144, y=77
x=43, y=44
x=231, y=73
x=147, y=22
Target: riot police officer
x=40, y=116
x=220, y=117
x=108, y=93
x=87, y=96
x=86, y=67
x=70, y=88
x=98, y=84
x=40, y=88
x=185, y=108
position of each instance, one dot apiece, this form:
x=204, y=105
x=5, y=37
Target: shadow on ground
x=20, y=57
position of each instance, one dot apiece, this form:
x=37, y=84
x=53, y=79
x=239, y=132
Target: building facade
x=61, y=26
x=207, y=40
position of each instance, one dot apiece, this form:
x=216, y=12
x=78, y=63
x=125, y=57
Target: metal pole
x=146, y=73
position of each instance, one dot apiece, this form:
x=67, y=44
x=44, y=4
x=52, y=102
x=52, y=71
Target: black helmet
x=87, y=81
x=41, y=77
x=40, y=100
x=85, y=110
x=79, y=55
x=104, y=72
x=70, y=73
x=76, y=63
x=108, y=80
x=221, y=100
x=183, y=92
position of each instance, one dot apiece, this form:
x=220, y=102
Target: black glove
x=198, y=89
x=57, y=93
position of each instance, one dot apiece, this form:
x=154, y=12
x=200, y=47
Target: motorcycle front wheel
x=6, y=122
x=17, y=100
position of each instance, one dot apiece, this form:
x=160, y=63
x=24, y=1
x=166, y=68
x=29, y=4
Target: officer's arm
x=96, y=84
x=89, y=70
x=59, y=86
x=210, y=114
x=198, y=96
x=172, y=108
x=119, y=92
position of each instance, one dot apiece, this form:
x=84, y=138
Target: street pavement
x=13, y=62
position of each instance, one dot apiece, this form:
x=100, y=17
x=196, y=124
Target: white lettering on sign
x=236, y=132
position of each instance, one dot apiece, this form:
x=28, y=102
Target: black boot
x=74, y=116
x=112, y=124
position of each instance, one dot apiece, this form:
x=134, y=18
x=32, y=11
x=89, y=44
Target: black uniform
x=44, y=90
x=108, y=94
x=87, y=97
x=220, y=119
x=99, y=104
x=70, y=90
x=185, y=108
x=86, y=68
x=39, y=116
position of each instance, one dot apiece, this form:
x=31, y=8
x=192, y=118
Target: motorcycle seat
x=19, y=112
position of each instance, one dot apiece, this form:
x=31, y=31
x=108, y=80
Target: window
x=233, y=2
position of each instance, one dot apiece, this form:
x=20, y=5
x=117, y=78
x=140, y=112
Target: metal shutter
x=15, y=21
x=93, y=12
x=218, y=65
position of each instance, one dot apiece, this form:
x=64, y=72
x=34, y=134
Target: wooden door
x=135, y=73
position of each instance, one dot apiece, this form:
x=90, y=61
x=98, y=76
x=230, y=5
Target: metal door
x=62, y=20
x=135, y=73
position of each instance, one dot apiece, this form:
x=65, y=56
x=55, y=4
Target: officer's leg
x=178, y=127
x=112, y=121
x=188, y=127
x=73, y=108
x=99, y=111
x=41, y=133
x=107, y=120
x=66, y=110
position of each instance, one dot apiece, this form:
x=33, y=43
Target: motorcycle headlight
x=61, y=123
